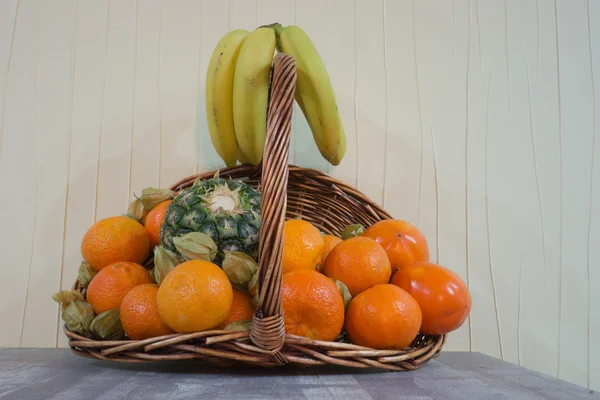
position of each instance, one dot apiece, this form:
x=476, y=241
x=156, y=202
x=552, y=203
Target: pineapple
x=226, y=210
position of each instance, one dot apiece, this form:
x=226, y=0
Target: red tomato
x=443, y=297
x=403, y=242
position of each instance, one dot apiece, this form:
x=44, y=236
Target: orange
x=154, y=221
x=312, y=305
x=139, y=315
x=302, y=246
x=360, y=263
x=194, y=296
x=330, y=242
x=115, y=239
x=443, y=297
x=241, y=309
x=403, y=243
x=383, y=317
x=108, y=288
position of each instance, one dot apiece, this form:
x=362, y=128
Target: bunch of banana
x=314, y=92
x=251, y=92
x=219, y=94
x=237, y=93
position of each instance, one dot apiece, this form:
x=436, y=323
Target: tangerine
x=330, y=242
x=383, y=317
x=360, y=263
x=442, y=295
x=403, y=242
x=154, y=221
x=109, y=287
x=115, y=239
x=241, y=309
x=312, y=305
x=302, y=246
x=139, y=314
x=195, y=296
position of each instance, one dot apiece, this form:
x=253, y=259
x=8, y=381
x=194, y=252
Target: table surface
x=58, y=374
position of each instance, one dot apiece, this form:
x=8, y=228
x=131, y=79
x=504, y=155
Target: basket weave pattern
x=287, y=192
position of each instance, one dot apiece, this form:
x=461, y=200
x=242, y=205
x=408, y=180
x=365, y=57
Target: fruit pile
x=181, y=262
x=373, y=287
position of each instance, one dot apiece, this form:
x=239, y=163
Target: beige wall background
x=475, y=120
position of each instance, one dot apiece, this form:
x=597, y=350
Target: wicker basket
x=287, y=192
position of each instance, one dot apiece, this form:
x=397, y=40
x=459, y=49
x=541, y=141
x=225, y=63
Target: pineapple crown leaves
x=221, y=196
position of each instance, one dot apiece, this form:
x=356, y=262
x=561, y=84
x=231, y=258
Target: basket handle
x=268, y=328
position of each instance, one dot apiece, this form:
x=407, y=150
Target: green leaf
x=164, y=262
x=136, y=210
x=353, y=230
x=86, y=273
x=107, y=325
x=239, y=267
x=78, y=316
x=151, y=197
x=239, y=326
x=196, y=246
x=346, y=296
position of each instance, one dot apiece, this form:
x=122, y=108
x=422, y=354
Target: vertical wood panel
x=594, y=232
x=536, y=170
x=8, y=17
x=53, y=66
x=85, y=127
x=521, y=254
x=179, y=74
x=17, y=172
x=371, y=94
x=488, y=103
x=145, y=150
x=403, y=157
x=577, y=120
x=242, y=15
x=441, y=64
x=341, y=64
x=311, y=16
x=215, y=24
x=117, y=111
x=284, y=12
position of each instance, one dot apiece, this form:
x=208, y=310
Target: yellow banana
x=242, y=158
x=251, y=92
x=219, y=94
x=314, y=92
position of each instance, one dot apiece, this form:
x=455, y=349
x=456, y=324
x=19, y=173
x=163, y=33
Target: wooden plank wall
x=475, y=120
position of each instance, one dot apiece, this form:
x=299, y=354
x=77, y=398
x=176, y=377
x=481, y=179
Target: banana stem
x=272, y=26
x=277, y=27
